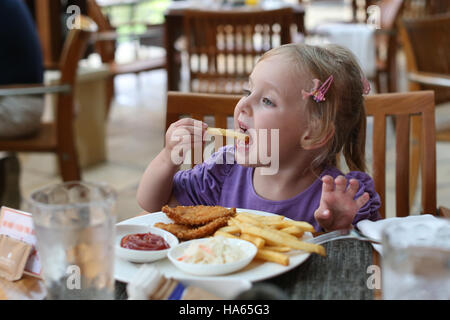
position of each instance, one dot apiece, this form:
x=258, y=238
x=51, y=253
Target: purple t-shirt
x=219, y=181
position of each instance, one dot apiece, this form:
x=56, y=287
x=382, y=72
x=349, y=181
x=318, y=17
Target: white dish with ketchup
x=141, y=244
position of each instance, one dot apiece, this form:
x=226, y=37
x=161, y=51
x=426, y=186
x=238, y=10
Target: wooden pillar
x=48, y=22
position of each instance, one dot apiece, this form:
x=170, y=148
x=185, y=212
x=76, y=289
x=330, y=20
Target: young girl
x=313, y=96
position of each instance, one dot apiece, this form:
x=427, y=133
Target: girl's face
x=272, y=102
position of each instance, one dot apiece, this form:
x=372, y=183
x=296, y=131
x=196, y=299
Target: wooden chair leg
x=377, y=81
x=414, y=159
x=109, y=95
x=68, y=166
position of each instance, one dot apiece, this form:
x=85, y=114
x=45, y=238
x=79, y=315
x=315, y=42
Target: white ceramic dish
x=257, y=270
x=248, y=249
x=142, y=256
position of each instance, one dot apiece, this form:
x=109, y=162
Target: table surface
x=342, y=274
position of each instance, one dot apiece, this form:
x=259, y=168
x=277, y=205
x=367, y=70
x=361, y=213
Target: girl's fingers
x=362, y=200
x=190, y=122
x=341, y=184
x=352, y=188
x=327, y=184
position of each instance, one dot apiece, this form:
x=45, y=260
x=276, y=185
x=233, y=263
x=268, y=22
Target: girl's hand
x=338, y=207
x=183, y=135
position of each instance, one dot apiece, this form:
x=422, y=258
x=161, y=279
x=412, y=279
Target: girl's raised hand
x=184, y=135
x=338, y=207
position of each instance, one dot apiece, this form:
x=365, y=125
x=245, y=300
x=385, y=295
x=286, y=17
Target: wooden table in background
x=173, y=25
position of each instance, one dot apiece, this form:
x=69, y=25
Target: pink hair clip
x=366, y=85
x=318, y=93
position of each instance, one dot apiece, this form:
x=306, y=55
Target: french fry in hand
x=228, y=133
x=281, y=238
x=272, y=256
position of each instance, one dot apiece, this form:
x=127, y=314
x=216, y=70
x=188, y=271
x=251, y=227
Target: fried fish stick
x=228, y=133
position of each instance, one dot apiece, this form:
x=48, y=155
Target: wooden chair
x=106, y=47
x=402, y=106
x=222, y=46
x=422, y=8
x=58, y=136
x=427, y=49
x=386, y=40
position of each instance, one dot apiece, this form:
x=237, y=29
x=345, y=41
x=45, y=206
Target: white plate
x=247, y=248
x=255, y=271
x=142, y=256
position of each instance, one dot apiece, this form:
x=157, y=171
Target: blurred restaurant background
x=138, y=50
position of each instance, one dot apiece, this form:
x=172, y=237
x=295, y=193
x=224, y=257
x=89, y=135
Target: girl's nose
x=245, y=106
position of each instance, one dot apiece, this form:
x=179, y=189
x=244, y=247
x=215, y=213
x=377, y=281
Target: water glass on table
x=75, y=227
x=416, y=261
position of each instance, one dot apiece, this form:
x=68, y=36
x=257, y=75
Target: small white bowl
x=142, y=256
x=248, y=248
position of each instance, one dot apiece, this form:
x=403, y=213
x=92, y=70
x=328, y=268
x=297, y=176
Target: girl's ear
x=312, y=139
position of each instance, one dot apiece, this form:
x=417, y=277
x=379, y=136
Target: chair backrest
x=427, y=48
x=73, y=50
x=106, y=48
x=223, y=46
x=422, y=8
x=402, y=106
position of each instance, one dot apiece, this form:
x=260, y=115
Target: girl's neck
x=286, y=183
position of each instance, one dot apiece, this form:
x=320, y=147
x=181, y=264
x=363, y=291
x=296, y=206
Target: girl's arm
x=155, y=188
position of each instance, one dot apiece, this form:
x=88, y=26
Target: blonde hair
x=343, y=110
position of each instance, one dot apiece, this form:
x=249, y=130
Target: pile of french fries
x=274, y=236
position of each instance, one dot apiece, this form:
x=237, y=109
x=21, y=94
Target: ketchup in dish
x=144, y=241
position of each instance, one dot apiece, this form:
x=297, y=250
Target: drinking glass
x=74, y=224
x=416, y=261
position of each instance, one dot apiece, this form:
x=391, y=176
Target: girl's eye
x=268, y=102
x=246, y=92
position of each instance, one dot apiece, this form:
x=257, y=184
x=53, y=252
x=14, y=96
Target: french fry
x=249, y=219
x=230, y=229
x=228, y=133
x=305, y=226
x=278, y=237
x=293, y=230
x=272, y=256
x=278, y=248
x=225, y=234
x=257, y=241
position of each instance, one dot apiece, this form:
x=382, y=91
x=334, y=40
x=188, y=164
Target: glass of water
x=416, y=261
x=75, y=227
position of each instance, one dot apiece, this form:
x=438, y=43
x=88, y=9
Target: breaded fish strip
x=197, y=215
x=184, y=232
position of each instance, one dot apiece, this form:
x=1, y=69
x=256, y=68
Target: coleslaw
x=212, y=251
